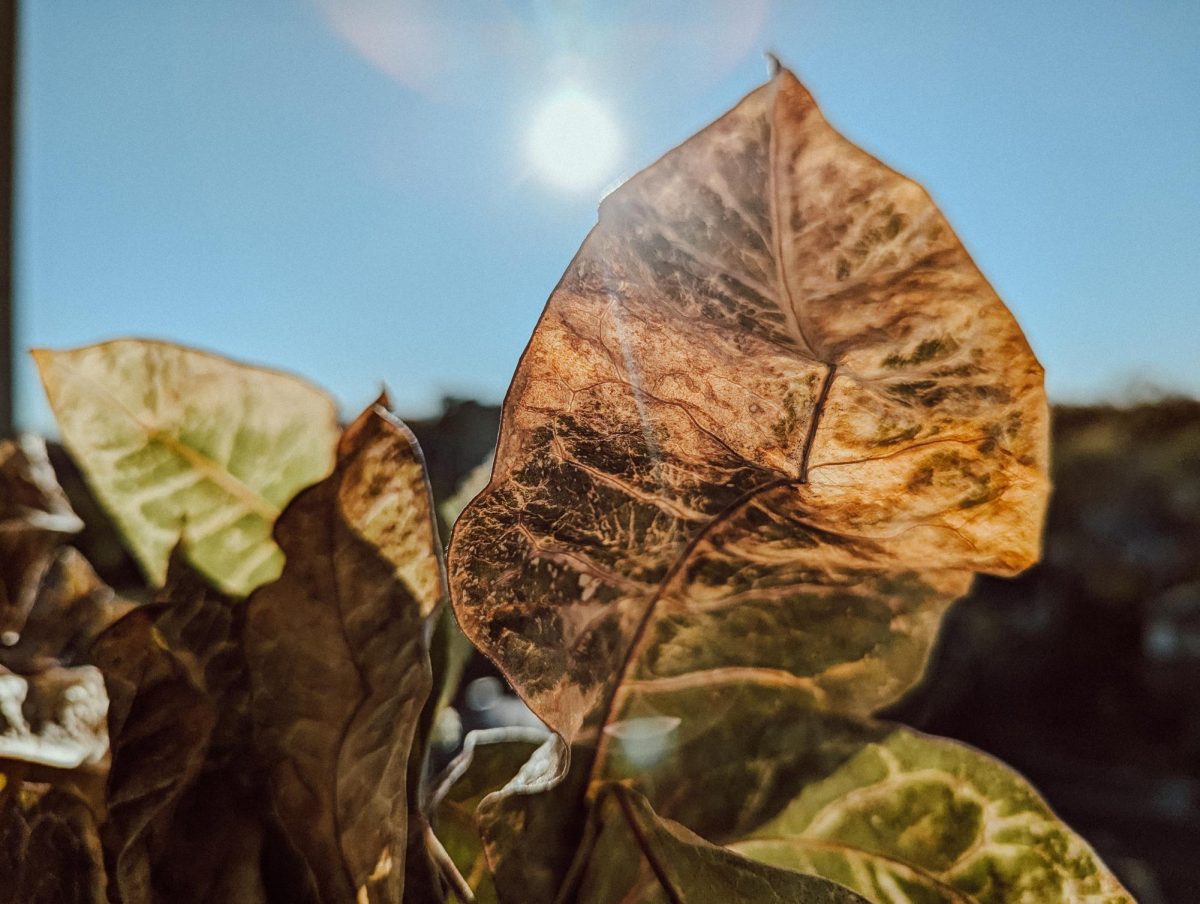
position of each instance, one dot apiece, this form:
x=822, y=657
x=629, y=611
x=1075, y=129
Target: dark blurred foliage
x=1083, y=673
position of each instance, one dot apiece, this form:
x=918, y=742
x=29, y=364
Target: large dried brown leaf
x=339, y=663
x=771, y=422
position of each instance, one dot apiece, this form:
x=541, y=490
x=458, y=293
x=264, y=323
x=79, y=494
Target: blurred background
x=387, y=190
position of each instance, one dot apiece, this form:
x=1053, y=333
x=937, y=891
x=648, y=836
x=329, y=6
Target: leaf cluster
x=769, y=426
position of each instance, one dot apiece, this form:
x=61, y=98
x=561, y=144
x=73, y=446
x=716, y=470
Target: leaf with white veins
x=912, y=818
x=179, y=444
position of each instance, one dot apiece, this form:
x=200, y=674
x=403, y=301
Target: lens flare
x=574, y=142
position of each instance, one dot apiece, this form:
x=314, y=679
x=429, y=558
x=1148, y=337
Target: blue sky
x=345, y=188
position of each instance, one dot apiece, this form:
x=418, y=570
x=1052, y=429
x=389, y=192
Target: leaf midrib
x=746, y=498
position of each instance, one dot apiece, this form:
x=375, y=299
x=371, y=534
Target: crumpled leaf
x=53, y=701
x=53, y=718
x=71, y=609
x=916, y=818
x=771, y=398
x=188, y=810
x=35, y=517
x=160, y=722
x=635, y=857
x=338, y=656
x=179, y=445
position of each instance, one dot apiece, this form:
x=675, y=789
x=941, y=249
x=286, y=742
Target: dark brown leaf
x=213, y=852
x=35, y=517
x=58, y=853
x=203, y=627
x=72, y=607
x=160, y=721
x=339, y=661
x=635, y=857
x=188, y=805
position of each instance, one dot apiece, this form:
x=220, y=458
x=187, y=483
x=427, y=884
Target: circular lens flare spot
x=574, y=142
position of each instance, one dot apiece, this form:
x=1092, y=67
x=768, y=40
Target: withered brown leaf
x=35, y=518
x=187, y=806
x=70, y=610
x=160, y=723
x=52, y=852
x=771, y=422
x=339, y=663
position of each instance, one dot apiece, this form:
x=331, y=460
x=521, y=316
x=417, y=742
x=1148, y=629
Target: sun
x=574, y=142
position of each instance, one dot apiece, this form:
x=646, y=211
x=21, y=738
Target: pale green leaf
x=180, y=444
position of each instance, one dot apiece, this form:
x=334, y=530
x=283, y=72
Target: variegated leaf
x=181, y=445
x=339, y=664
x=912, y=819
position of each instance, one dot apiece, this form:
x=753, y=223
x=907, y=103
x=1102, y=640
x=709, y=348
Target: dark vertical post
x=8, y=156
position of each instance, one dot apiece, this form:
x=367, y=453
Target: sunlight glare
x=574, y=142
